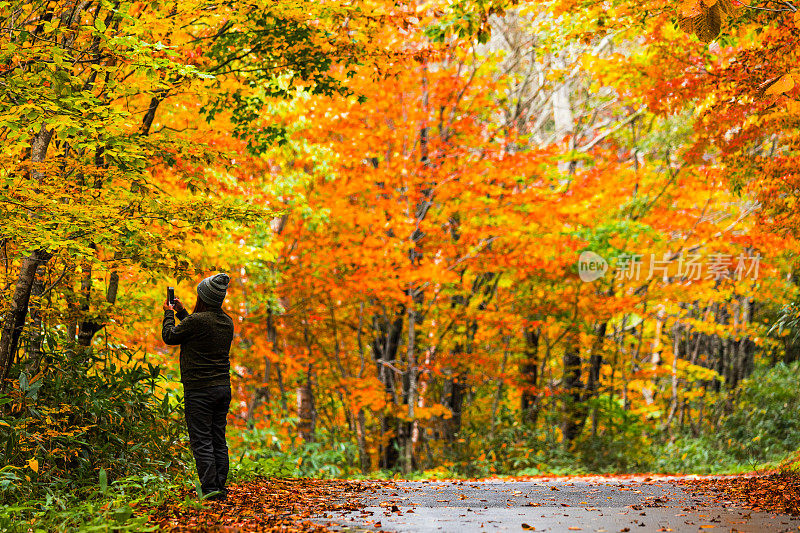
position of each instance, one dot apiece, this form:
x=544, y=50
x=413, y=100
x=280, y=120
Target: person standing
x=205, y=339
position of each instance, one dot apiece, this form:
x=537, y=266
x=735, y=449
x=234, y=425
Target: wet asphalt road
x=596, y=505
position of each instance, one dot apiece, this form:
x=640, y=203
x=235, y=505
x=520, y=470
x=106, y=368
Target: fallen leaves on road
x=294, y=505
x=265, y=505
x=774, y=492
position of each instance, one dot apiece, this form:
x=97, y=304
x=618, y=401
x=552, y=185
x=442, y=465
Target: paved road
x=595, y=505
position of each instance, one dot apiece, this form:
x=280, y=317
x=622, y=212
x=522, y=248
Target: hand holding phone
x=170, y=295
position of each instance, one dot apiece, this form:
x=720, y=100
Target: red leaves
x=776, y=492
x=263, y=505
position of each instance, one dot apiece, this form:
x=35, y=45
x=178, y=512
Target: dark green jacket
x=205, y=340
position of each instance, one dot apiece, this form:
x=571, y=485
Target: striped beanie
x=212, y=289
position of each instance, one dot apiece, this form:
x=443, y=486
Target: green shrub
x=621, y=442
x=262, y=453
x=760, y=424
x=693, y=455
x=765, y=422
x=91, y=428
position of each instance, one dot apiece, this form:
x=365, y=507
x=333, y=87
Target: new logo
x=591, y=266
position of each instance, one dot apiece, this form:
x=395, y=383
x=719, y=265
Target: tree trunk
x=574, y=413
x=385, y=346
x=86, y=327
x=261, y=394
x=281, y=388
x=596, y=359
x=408, y=459
x=363, y=453
x=35, y=337
x=454, y=401
x=529, y=370
x=595, y=365
x=305, y=411
x=14, y=321
x=677, y=334
x=562, y=108
x=89, y=326
x=655, y=355
x=563, y=117
x=498, y=393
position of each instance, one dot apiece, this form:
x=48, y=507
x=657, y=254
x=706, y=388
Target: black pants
x=206, y=417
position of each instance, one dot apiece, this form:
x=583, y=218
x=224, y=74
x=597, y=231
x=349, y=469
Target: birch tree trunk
x=562, y=107
x=677, y=334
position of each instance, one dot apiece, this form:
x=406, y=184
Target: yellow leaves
x=784, y=84
x=690, y=8
x=694, y=372
x=137, y=8
x=433, y=411
x=792, y=107
x=424, y=413
x=796, y=17
x=33, y=464
x=694, y=394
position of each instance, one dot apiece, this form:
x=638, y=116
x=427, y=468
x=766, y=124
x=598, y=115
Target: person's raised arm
x=172, y=334
x=180, y=312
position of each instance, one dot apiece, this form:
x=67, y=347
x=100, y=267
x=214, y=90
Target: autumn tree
x=84, y=84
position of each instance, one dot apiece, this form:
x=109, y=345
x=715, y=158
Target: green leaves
x=103, y=481
x=467, y=20
x=29, y=386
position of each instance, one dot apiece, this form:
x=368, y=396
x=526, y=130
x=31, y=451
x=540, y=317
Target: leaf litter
x=771, y=492
x=265, y=506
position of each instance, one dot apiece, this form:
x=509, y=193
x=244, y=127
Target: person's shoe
x=216, y=496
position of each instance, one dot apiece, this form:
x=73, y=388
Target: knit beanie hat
x=212, y=289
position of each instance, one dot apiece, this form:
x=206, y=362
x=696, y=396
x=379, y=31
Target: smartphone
x=170, y=295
